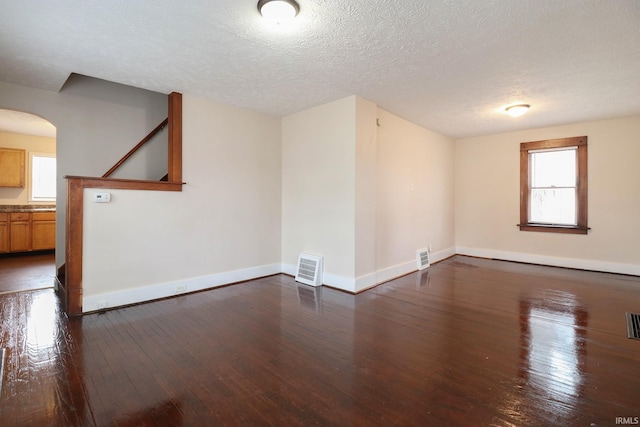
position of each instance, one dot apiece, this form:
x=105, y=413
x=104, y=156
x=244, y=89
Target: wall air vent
x=309, y=270
x=422, y=258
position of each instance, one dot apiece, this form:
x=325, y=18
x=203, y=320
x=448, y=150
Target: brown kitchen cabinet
x=27, y=231
x=43, y=230
x=20, y=231
x=12, y=161
x=4, y=233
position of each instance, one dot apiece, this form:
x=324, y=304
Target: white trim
x=328, y=279
x=168, y=289
x=371, y=280
x=577, y=263
x=29, y=174
x=367, y=281
x=289, y=269
x=340, y=282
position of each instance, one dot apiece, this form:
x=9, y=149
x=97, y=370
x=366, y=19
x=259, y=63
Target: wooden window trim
x=525, y=147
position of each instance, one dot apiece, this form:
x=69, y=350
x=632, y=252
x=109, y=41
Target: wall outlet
x=181, y=288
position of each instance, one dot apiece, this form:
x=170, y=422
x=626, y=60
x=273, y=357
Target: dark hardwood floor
x=466, y=342
x=22, y=272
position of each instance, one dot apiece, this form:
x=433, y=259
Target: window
x=553, y=185
x=43, y=177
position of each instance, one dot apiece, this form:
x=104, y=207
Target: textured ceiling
x=25, y=123
x=448, y=65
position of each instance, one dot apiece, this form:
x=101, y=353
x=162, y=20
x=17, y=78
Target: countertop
x=27, y=208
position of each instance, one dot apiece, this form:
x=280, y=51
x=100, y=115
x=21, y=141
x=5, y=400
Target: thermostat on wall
x=101, y=197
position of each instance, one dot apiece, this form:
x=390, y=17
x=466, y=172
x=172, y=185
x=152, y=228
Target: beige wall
x=32, y=144
x=415, y=199
x=223, y=227
x=372, y=195
x=318, y=188
x=487, y=199
x=366, y=146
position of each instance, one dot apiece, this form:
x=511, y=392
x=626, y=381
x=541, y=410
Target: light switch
x=101, y=197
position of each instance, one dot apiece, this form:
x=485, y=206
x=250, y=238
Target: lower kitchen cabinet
x=43, y=230
x=27, y=231
x=20, y=232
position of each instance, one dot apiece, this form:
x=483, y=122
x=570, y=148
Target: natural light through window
x=43, y=177
x=553, y=186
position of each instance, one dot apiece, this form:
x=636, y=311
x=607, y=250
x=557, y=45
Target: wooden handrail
x=136, y=148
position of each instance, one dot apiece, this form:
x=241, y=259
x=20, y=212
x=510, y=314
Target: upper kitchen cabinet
x=12, y=167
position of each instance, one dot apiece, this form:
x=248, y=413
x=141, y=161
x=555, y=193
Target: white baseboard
x=329, y=279
x=163, y=290
x=373, y=279
x=168, y=289
x=581, y=264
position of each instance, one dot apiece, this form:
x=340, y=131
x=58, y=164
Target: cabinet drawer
x=43, y=216
x=20, y=216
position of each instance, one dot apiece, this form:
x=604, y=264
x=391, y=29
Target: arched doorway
x=27, y=201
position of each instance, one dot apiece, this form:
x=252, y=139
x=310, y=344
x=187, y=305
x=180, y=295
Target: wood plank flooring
x=21, y=272
x=466, y=342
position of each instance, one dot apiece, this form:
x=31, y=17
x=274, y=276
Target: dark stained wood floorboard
x=23, y=272
x=466, y=342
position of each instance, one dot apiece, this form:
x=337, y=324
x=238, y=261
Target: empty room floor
x=466, y=342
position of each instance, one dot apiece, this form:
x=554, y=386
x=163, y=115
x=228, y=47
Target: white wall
x=222, y=228
x=97, y=122
x=415, y=199
x=487, y=199
x=318, y=189
x=32, y=144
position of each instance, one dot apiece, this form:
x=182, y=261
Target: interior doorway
x=27, y=209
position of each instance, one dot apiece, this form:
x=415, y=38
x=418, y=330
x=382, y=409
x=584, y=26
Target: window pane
x=43, y=179
x=553, y=206
x=553, y=168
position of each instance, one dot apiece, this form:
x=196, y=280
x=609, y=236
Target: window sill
x=547, y=228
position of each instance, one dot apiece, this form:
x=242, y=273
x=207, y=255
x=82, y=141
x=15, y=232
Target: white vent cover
x=309, y=270
x=422, y=258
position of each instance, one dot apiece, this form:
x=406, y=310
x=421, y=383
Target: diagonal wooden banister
x=69, y=280
x=136, y=148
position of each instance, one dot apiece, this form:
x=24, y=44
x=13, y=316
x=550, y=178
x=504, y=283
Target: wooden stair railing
x=144, y=140
x=69, y=279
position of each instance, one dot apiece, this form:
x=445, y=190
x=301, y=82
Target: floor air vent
x=309, y=270
x=633, y=326
x=422, y=257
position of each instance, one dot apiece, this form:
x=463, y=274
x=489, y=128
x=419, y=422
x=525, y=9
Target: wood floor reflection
x=28, y=271
x=466, y=342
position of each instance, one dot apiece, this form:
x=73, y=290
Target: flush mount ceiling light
x=278, y=10
x=517, y=110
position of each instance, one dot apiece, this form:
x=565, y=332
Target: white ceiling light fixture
x=278, y=11
x=517, y=110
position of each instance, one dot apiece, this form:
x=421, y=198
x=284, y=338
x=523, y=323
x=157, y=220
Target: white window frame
x=33, y=198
